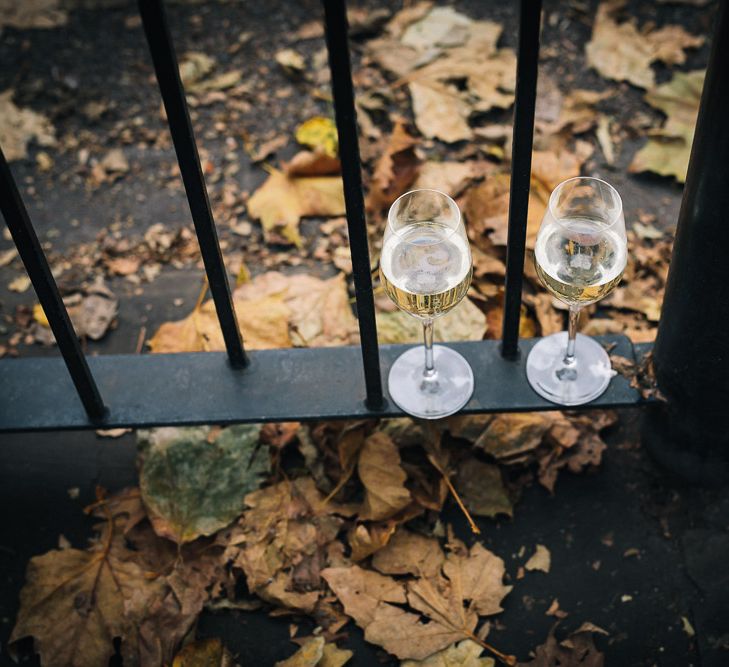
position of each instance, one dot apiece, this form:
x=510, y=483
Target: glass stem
x=429, y=372
x=569, y=357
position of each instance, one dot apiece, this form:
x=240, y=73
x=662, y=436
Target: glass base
x=446, y=394
x=581, y=382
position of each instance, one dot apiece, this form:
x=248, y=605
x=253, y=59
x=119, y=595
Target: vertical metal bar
x=159, y=39
x=335, y=13
x=690, y=433
x=521, y=165
x=30, y=251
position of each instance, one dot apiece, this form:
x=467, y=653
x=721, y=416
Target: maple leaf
x=668, y=149
x=621, y=52
x=283, y=200
x=410, y=553
x=468, y=583
x=193, y=487
x=73, y=604
x=315, y=312
x=440, y=111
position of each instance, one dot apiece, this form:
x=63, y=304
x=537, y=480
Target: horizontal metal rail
x=278, y=385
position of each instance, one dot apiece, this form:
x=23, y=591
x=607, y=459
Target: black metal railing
x=274, y=385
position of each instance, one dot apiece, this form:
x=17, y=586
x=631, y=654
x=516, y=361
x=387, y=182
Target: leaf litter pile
x=341, y=522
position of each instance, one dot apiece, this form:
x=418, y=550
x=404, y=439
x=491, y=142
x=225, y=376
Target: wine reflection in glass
x=425, y=268
x=580, y=255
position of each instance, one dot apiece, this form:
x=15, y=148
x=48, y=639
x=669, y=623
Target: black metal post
x=30, y=251
x=690, y=434
x=521, y=166
x=159, y=39
x=335, y=13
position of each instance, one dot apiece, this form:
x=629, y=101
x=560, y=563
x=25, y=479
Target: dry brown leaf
x=280, y=311
x=487, y=205
x=578, y=650
x=204, y=653
x=21, y=125
x=449, y=177
x=410, y=553
x=481, y=489
x=440, y=112
x=621, y=52
x=463, y=654
x=309, y=655
x=32, y=14
x=368, y=539
x=668, y=149
x=549, y=318
x=574, y=112
x=509, y=435
x=73, y=604
x=396, y=169
x=540, y=560
x=383, y=478
x=282, y=201
x=464, y=322
x=312, y=163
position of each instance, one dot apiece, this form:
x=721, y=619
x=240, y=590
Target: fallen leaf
x=621, y=52
x=19, y=284
x=282, y=201
x=32, y=14
x=449, y=177
x=441, y=27
x=319, y=134
x=395, y=170
x=481, y=488
x=367, y=539
x=115, y=162
x=309, y=655
x=513, y=434
x=605, y=140
x=464, y=322
x=463, y=654
x=275, y=307
x=574, y=112
x=440, y=112
x=668, y=149
x=335, y=656
x=123, y=266
x=192, y=487
x=290, y=60
x=286, y=528
x=20, y=126
x=7, y=256
x=194, y=67
x=578, y=650
x=409, y=553
x=204, y=653
x=308, y=163
x=382, y=477
x=540, y=560
x=74, y=603
x=267, y=148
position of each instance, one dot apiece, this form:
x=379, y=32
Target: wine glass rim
x=614, y=218
x=450, y=200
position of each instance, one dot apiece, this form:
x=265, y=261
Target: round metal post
x=690, y=433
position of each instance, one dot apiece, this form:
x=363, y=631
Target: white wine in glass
x=580, y=255
x=425, y=268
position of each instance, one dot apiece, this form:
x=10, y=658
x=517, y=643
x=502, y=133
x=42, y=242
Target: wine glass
x=425, y=268
x=580, y=255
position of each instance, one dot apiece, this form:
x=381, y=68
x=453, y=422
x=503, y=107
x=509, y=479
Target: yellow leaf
x=319, y=134
x=282, y=201
x=39, y=315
